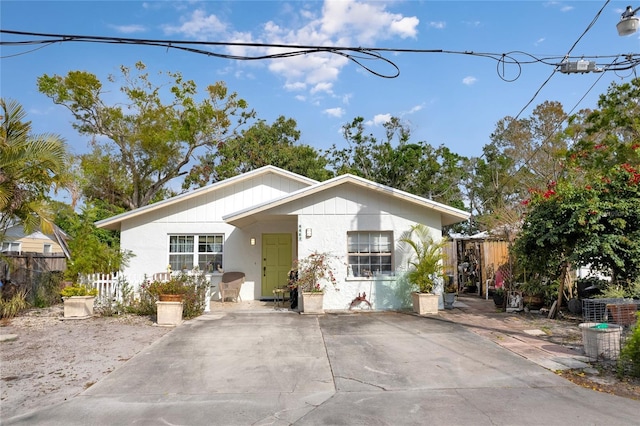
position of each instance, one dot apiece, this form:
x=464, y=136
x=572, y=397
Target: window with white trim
x=205, y=251
x=370, y=253
x=11, y=246
x=47, y=248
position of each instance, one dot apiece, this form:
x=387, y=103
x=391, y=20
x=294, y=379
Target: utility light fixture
x=629, y=22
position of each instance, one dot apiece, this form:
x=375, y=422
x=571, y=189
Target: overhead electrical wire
x=355, y=54
x=555, y=70
x=613, y=65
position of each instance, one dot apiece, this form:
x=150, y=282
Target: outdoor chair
x=230, y=286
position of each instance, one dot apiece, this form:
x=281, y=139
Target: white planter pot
x=425, y=303
x=601, y=343
x=78, y=307
x=169, y=314
x=312, y=303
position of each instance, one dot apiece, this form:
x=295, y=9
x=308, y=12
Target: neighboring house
x=260, y=222
x=15, y=240
x=23, y=256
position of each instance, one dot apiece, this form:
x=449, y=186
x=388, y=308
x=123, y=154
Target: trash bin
x=601, y=340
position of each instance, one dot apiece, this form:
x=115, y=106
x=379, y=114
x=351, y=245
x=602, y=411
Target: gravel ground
x=54, y=359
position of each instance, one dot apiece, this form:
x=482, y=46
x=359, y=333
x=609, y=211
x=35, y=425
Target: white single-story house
x=260, y=222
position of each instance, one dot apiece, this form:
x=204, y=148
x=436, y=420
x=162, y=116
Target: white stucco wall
x=329, y=214
x=332, y=214
x=147, y=235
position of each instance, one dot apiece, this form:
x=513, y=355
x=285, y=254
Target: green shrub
x=12, y=306
x=47, y=291
x=78, y=290
x=629, y=360
x=192, y=287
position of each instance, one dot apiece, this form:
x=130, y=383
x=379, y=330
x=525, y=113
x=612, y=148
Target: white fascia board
x=113, y=222
x=456, y=214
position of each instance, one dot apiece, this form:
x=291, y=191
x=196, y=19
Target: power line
x=591, y=24
x=355, y=54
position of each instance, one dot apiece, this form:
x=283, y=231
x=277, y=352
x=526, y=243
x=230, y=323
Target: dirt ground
x=53, y=359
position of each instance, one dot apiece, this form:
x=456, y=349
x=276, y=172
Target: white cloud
x=322, y=87
x=380, y=119
x=129, y=29
x=336, y=23
x=295, y=86
x=416, y=109
x=539, y=41
x=198, y=26
x=334, y=112
x=563, y=7
x=470, y=80
x=474, y=24
x=301, y=98
x=439, y=25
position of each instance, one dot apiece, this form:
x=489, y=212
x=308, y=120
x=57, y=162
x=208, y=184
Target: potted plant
x=450, y=293
x=172, y=290
x=498, y=297
x=78, y=301
x=533, y=293
x=314, y=272
x=170, y=295
x=426, y=266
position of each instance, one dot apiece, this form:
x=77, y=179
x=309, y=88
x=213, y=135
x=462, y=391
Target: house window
x=205, y=251
x=46, y=249
x=370, y=253
x=10, y=246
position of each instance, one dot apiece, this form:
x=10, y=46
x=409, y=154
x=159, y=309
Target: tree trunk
x=563, y=277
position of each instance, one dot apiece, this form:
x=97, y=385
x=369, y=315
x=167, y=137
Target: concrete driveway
x=282, y=368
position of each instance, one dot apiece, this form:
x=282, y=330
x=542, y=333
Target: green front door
x=276, y=262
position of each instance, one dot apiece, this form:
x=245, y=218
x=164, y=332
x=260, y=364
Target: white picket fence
x=110, y=286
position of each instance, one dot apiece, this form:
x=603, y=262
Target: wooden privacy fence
x=24, y=269
x=475, y=260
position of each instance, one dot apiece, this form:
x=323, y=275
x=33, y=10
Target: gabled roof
x=59, y=236
x=449, y=215
x=114, y=222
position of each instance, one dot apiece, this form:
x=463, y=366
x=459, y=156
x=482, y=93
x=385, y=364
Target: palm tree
x=427, y=260
x=30, y=167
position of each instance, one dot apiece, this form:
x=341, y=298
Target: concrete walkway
x=267, y=367
x=520, y=336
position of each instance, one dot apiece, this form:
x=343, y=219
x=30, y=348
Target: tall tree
x=523, y=153
x=260, y=145
x=92, y=250
x=609, y=135
x=418, y=168
x=148, y=142
x=31, y=166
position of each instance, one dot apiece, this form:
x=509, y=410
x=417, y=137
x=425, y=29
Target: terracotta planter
x=78, y=307
x=622, y=314
x=170, y=298
x=312, y=302
x=533, y=302
x=425, y=303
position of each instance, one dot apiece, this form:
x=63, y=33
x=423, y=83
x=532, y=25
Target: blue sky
x=447, y=99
